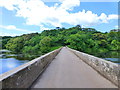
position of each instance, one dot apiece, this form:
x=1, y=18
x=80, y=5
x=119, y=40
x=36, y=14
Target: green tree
x=45, y=44
x=32, y=50
x=115, y=45
x=15, y=44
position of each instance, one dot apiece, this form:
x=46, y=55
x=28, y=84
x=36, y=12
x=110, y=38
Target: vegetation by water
x=86, y=40
x=110, y=56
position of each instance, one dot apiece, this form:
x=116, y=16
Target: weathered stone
x=24, y=75
x=106, y=68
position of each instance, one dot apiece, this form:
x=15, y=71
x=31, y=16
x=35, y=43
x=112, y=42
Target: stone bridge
x=64, y=68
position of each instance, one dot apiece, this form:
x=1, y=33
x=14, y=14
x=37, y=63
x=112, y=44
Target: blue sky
x=30, y=16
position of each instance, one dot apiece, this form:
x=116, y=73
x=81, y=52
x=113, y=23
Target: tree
x=115, y=45
x=45, y=44
x=15, y=44
x=99, y=36
x=57, y=27
x=32, y=49
x=78, y=26
x=87, y=40
x=4, y=41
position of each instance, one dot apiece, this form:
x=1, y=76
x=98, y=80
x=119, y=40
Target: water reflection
x=112, y=56
x=10, y=63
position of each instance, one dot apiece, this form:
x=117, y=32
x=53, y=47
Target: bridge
x=63, y=68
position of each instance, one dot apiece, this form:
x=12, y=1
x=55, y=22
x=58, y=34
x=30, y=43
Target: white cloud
x=112, y=16
x=8, y=4
x=117, y=27
x=69, y=5
x=37, y=13
x=99, y=0
x=9, y=34
x=85, y=0
x=43, y=28
x=12, y=27
x=103, y=17
x=83, y=18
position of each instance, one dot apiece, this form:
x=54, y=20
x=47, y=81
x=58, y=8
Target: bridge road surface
x=68, y=71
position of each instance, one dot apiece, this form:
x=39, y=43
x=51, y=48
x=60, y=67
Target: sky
x=19, y=17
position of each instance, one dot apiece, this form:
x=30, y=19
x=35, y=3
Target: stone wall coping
x=100, y=59
x=108, y=69
x=17, y=69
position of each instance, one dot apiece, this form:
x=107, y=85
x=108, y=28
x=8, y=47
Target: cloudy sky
x=28, y=16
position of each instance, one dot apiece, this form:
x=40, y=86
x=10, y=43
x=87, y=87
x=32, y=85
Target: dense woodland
x=86, y=40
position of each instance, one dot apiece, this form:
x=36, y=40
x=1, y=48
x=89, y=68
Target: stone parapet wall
x=24, y=75
x=109, y=70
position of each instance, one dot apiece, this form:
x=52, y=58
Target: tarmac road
x=68, y=71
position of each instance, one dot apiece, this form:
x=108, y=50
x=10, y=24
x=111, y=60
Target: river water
x=11, y=61
x=113, y=56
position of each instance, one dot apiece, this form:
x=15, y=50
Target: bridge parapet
x=109, y=70
x=24, y=75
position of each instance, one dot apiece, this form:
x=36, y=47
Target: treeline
x=87, y=40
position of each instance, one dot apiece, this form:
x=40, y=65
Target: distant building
x=115, y=30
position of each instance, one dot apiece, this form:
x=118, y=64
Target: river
x=113, y=56
x=11, y=61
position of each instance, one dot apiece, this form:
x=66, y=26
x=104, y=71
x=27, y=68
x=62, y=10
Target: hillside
x=87, y=40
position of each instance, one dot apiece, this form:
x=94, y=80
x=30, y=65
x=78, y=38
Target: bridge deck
x=68, y=71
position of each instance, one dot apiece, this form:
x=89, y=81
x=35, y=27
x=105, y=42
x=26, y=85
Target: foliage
x=87, y=40
x=4, y=41
x=45, y=44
